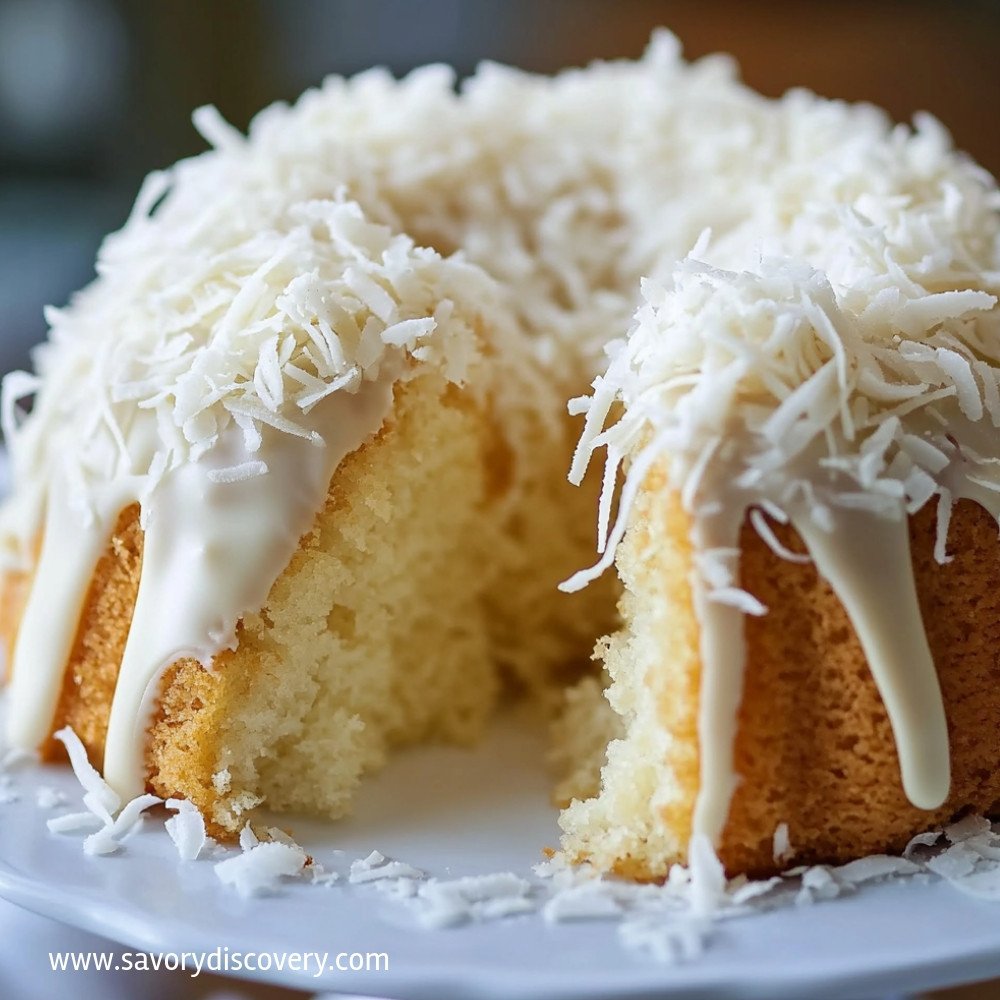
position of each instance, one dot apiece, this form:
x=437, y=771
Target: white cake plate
x=454, y=812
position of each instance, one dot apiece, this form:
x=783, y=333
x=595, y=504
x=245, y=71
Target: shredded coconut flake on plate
x=957, y=861
x=387, y=870
x=108, y=839
x=186, y=828
x=475, y=897
x=319, y=875
x=248, y=839
x=666, y=942
x=876, y=866
x=260, y=869
x=49, y=798
x=928, y=839
x=114, y=821
x=372, y=860
x=98, y=797
x=969, y=826
x=74, y=823
x=781, y=847
x=817, y=883
x=593, y=900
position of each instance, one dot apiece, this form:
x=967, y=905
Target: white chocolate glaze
x=723, y=658
x=866, y=560
x=73, y=539
x=211, y=552
x=47, y=629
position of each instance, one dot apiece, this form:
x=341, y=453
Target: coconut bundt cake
x=289, y=480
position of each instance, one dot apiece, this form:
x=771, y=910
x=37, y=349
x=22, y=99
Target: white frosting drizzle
x=71, y=546
x=722, y=646
x=866, y=560
x=211, y=552
x=48, y=626
x=864, y=555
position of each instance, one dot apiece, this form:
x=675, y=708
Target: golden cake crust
x=815, y=748
x=181, y=749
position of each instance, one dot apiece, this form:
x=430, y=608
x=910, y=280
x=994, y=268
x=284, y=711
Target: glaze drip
x=866, y=561
x=865, y=557
x=723, y=656
x=45, y=635
x=211, y=551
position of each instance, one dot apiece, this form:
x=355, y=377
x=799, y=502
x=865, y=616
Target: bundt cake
x=290, y=476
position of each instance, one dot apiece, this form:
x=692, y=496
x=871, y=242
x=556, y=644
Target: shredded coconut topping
x=840, y=361
x=208, y=314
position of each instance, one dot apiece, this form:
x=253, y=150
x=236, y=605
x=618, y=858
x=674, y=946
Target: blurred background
x=95, y=93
